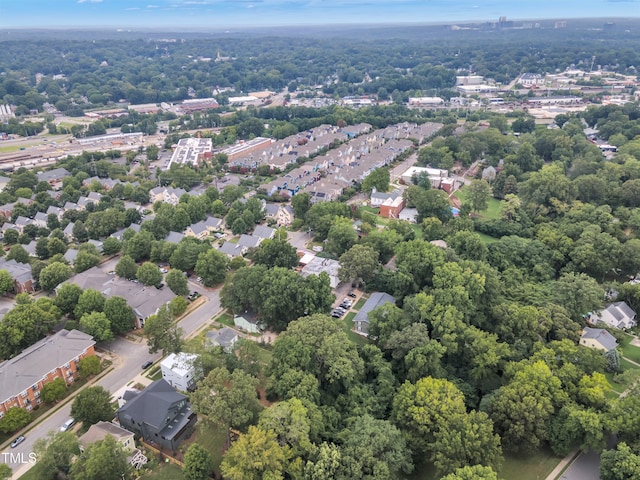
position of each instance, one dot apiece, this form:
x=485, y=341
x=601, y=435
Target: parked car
x=67, y=425
x=163, y=270
x=345, y=306
x=347, y=301
x=18, y=441
x=352, y=294
x=147, y=364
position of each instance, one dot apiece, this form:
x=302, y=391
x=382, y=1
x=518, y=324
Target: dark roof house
x=160, y=415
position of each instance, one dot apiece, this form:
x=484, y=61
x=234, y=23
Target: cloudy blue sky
x=225, y=13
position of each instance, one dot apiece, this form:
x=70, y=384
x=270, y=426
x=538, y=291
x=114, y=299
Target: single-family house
x=225, y=337
x=378, y=198
x=598, y=338
x=202, y=229
x=166, y=194
x=119, y=235
x=392, y=207
x=247, y=322
x=361, y=320
x=21, y=273
x=232, y=249
x=68, y=232
x=263, y=232
x=125, y=438
x=160, y=415
x=30, y=248
x=617, y=315
x=249, y=241
x=57, y=211
x=71, y=255
x=409, y=215
x=40, y=220
x=180, y=371
x=174, y=237
x=57, y=356
x=22, y=222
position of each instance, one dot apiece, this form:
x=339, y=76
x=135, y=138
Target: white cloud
x=89, y=1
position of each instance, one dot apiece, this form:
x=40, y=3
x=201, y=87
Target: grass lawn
x=225, y=319
x=486, y=239
x=360, y=303
x=630, y=351
x=165, y=471
x=347, y=325
x=417, y=230
x=533, y=467
x=213, y=439
x=493, y=209
x=375, y=211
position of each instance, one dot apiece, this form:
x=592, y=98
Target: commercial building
x=191, y=151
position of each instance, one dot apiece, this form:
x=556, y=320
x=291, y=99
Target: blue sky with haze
x=226, y=13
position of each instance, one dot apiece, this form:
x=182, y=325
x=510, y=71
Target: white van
x=67, y=425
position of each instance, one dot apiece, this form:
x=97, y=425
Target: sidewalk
x=564, y=463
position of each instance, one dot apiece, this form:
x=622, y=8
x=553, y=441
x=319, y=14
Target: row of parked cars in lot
x=345, y=305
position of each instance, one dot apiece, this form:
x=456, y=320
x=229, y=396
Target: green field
x=630, y=351
x=493, y=209
x=165, y=471
x=347, y=326
x=225, y=319
x=533, y=467
x=213, y=439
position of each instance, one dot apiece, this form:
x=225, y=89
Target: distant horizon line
x=207, y=28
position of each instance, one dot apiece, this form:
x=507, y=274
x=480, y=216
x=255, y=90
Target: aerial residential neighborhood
x=345, y=251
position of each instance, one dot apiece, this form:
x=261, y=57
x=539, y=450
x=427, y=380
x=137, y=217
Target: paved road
x=128, y=358
x=585, y=467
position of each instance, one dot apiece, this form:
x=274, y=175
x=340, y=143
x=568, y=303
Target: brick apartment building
x=23, y=376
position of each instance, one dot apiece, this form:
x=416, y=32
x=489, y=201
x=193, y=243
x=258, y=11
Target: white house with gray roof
x=361, y=320
x=225, y=337
x=617, y=315
x=598, y=338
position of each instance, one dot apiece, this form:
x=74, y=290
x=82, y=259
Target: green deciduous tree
x=111, y=246
x=6, y=282
x=374, y=449
x=276, y=253
x=620, y=464
x=53, y=275
x=255, y=455
x=227, y=399
x=14, y=419
x=89, y=366
x=149, y=274
x=97, y=325
x=55, y=453
x=212, y=267
x=197, y=463
x=478, y=195
x=322, y=350
x=162, y=333
x=19, y=254
x=121, y=316
x=476, y=472
x=89, y=301
x=177, y=282
x=360, y=262
x=92, y=405
x=103, y=460
x=378, y=179
x=126, y=268
x=54, y=391
x=341, y=236
x=67, y=297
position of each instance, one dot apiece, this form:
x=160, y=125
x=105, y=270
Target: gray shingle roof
x=603, y=337
x=152, y=405
x=377, y=299
x=26, y=369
